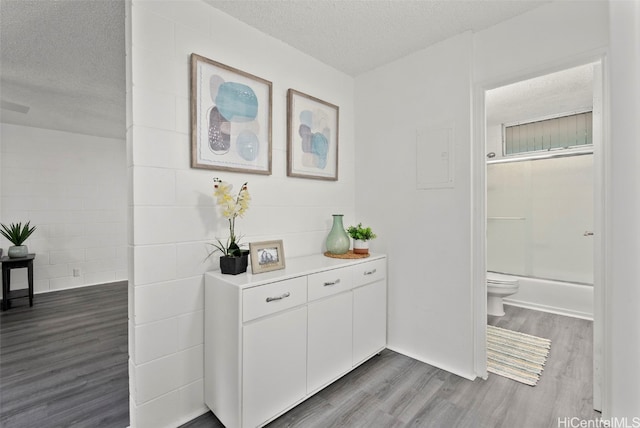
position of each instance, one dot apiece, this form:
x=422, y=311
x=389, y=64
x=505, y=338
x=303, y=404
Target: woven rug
x=517, y=356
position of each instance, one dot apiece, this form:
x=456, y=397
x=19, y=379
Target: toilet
x=499, y=286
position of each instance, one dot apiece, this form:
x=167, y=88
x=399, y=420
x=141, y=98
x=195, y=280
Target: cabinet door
x=330, y=340
x=369, y=320
x=274, y=365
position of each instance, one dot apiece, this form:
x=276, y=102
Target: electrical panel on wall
x=434, y=157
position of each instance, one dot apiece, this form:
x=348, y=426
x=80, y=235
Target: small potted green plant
x=361, y=237
x=17, y=233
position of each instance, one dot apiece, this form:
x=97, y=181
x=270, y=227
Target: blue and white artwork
x=316, y=137
x=233, y=118
x=313, y=137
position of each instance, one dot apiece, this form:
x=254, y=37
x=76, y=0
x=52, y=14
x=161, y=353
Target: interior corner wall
x=427, y=233
x=71, y=187
x=172, y=207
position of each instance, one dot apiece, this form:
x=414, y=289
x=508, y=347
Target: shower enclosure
x=540, y=218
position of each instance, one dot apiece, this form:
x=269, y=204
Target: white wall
x=172, y=208
x=73, y=188
x=536, y=42
x=427, y=234
x=429, y=311
x=622, y=336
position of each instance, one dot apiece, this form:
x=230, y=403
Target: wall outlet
x=76, y=272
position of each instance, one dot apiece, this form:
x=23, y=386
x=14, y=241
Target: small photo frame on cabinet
x=266, y=256
x=230, y=118
x=312, y=137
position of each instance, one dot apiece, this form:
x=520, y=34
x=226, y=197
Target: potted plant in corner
x=16, y=233
x=361, y=237
x=233, y=260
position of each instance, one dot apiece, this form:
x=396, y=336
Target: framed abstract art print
x=230, y=118
x=312, y=137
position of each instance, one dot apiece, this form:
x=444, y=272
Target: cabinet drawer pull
x=370, y=272
x=327, y=284
x=280, y=297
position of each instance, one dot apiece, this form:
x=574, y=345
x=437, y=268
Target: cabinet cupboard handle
x=370, y=272
x=337, y=281
x=280, y=297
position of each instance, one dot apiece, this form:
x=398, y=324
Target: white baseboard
x=444, y=367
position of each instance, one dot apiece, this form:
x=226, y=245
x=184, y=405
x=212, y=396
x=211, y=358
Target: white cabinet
x=369, y=310
x=369, y=320
x=274, y=365
x=330, y=337
x=274, y=297
x=274, y=339
x=330, y=340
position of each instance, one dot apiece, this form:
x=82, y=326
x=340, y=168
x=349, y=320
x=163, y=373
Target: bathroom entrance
x=542, y=180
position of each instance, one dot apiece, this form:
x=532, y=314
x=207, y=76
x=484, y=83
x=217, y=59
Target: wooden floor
x=63, y=362
x=392, y=390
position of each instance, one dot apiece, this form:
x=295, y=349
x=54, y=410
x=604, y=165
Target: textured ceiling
x=65, y=62
x=358, y=36
x=62, y=63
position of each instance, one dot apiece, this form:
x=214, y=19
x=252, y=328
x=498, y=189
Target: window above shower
x=562, y=132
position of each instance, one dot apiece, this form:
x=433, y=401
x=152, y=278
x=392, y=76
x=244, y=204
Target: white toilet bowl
x=499, y=286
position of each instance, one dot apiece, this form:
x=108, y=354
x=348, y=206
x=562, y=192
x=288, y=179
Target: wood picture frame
x=266, y=256
x=312, y=137
x=230, y=118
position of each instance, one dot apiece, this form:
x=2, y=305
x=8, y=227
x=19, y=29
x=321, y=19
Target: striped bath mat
x=517, y=356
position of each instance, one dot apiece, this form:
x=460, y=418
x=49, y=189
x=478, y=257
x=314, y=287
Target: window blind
x=548, y=134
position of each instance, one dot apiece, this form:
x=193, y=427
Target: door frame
x=601, y=227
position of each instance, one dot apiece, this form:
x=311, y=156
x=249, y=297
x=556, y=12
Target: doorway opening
x=532, y=195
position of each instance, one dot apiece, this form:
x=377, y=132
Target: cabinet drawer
x=369, y=272
x=331, y=282
x=271, y=298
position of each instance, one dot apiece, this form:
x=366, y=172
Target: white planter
x=360, y=247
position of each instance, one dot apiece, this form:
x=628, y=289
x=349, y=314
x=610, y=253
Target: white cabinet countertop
x=294, y=267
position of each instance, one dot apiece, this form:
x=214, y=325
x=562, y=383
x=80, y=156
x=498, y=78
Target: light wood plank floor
x=392, y=390
x=63, y=362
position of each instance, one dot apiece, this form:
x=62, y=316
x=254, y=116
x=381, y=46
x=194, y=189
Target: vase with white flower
x=233, y=260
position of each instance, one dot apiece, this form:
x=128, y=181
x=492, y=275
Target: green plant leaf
x=16, y=233
x=361, y=233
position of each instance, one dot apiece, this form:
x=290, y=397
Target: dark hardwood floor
x=392, y=390
x=63, y=362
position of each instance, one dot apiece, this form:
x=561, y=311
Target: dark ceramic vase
x=230, y=265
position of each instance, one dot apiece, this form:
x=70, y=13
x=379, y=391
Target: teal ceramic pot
x=338, y=241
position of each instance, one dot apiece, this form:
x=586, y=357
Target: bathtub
x=558, y=297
